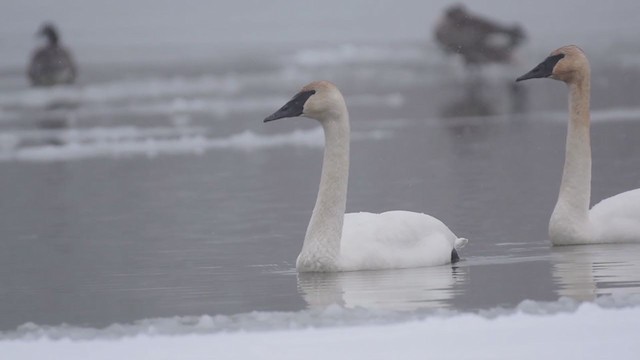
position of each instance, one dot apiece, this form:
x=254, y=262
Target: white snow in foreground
x=562, y=330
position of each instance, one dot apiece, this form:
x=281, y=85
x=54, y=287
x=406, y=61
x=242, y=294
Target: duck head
x=48, y=31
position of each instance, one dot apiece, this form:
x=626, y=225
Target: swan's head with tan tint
x=568, y=64
x=320, y=100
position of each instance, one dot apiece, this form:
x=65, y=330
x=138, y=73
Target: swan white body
x=616, y=219
x=394, y=239
x=360, y=241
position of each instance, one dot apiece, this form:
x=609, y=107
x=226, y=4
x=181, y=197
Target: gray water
x=113, y=237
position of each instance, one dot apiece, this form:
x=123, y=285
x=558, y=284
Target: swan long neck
x=570, y=220
x=325, y=227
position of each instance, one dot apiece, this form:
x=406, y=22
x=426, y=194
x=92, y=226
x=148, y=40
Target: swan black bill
x=292, y=108
x=543, y=70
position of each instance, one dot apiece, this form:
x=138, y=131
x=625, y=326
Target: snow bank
x=227, y=105
x=125, y=89
x=127, y=145
x=597, y=115
x=615, y=114
x=128, y=141
x=357, y=54
x=207, y=94
x=534, y=330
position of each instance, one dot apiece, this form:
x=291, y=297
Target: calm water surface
x=160, y=192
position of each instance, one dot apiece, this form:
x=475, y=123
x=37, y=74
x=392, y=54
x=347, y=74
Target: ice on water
x=566, y=328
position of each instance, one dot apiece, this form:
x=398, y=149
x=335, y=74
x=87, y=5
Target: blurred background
x=151, y=31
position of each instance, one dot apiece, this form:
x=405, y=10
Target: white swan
x=336, y=241
x=616, y=219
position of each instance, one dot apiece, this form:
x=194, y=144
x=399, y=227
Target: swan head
x=568, y=63
x=320, y=100
x=48, y=30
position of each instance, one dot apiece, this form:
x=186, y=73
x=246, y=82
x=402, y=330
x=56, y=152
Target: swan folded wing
x=617, y=219
x=394, y=239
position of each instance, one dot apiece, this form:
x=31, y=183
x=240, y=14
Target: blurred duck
x=479, y=41
x=616, y=219
x=336, y=241
x=51, y=64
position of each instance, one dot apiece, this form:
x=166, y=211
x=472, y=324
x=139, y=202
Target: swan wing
x=395, y=239
x=617, y=219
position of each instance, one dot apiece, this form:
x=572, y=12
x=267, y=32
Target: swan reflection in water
x=586, y=272
x=472, y=102
x=479, y=98
x=398, y=290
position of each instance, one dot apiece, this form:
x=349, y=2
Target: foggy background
x=161, y=30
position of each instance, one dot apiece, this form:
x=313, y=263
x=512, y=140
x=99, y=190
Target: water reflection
x=479, y=98
x=53, y=123
x=519, y=98
x=473, y=102
x=586, y=272
x=406, y=289
x=50, y=130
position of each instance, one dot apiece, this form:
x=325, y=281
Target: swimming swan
x=336, y=241
x=51, y=64
x=616, y=219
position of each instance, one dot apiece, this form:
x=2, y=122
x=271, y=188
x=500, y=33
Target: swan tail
x=459, y=243
x=455, y=257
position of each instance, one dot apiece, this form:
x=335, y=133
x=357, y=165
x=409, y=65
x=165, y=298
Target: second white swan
x=336, y=241
x=616, y=219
